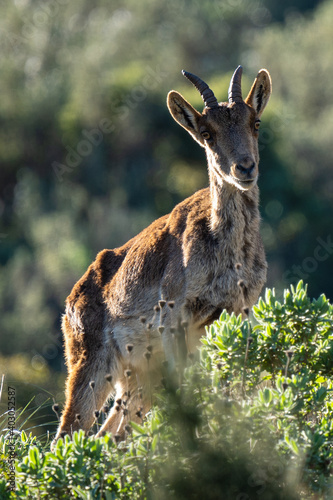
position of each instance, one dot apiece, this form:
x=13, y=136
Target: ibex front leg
x=131, y=404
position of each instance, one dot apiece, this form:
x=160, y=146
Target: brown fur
x=188, y=256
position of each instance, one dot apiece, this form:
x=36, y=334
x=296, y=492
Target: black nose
x=246, y=170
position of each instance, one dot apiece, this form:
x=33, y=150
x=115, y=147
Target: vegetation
x=89, y=156
x=251, y=419
x=72, y=183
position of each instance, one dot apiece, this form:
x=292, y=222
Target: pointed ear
x=260, y=92
x=185, y=115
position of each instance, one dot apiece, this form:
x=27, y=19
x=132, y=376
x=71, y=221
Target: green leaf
x=138, y=428
x=24, y=437
x=267, y=396
x=34, y=456
x=321, y=394
x=154, y=442
x=292, y=445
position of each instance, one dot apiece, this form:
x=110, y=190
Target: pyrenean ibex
x=187, y=258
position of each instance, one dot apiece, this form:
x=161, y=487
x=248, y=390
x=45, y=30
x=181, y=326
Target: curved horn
x=235, y=87
x=205, y=92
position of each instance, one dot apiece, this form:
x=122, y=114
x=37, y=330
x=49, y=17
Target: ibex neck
x=230, y=204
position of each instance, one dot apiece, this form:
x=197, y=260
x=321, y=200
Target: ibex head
x=228, y=131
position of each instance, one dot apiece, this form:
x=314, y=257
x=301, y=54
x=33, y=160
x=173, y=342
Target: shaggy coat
x=187, y=258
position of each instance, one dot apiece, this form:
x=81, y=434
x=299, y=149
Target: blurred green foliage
x=90, y=155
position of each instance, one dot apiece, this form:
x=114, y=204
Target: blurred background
x=90, y=155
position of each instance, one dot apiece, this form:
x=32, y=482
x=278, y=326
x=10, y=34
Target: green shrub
x=251, y=419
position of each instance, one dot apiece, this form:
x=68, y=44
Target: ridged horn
x=235, y=87
x=206, y=93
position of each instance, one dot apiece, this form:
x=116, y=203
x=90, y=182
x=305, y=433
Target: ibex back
x=183, y=266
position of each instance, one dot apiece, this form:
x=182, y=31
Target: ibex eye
x=257, y=124
x=206, y=135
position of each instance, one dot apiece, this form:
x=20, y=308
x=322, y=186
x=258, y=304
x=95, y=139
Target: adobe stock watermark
x=152, y=80
x=261, y=480
x=280, y=119
x=42, y=15
x=44, y=12
x=257, y=12
x=309, y=265
x=92, y=138
x=10, y=436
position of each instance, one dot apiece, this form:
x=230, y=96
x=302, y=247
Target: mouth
x=246, y=184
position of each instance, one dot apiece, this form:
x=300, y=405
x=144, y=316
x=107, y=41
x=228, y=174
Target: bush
x=251, y=419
